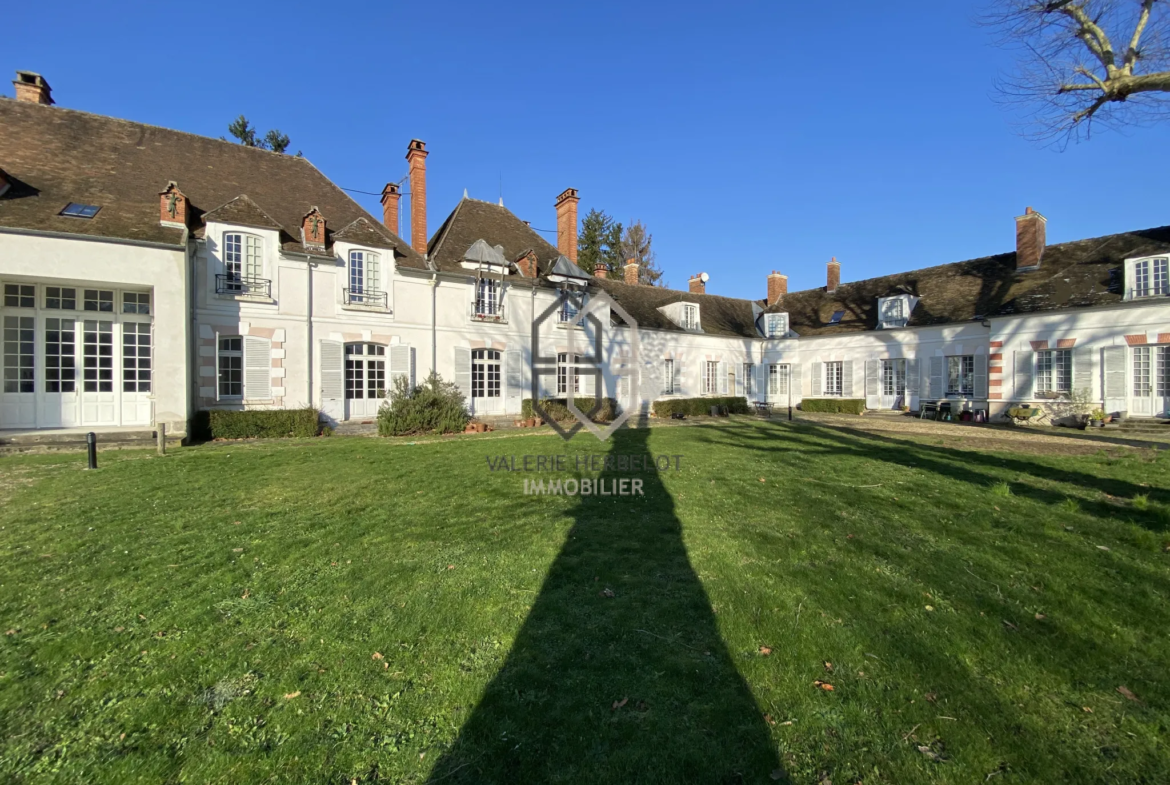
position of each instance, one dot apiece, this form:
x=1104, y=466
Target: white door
x=136, y=374
x=893, y=384
x=18, y=406
x=99, y=399
x=1151, y=381
x=486, y=394
x=365, y=379
x=58, y=402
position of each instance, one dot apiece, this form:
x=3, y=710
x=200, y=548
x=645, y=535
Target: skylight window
x=837, y=315
x=75, y=210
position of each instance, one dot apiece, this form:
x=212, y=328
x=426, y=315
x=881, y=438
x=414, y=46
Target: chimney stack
x=1031, y=237
x=777, y=287
x=697, y=284
x=600, y=272
x=390, y=197
x=631, y=271
x=833, y=279
x=33, y=89
x=567, y=223
x=416, y=157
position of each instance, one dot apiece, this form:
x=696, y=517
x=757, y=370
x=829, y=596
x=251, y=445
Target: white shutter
x=818, y=376
x=588, y=387
x=872, y=388
x=937, y=369
x=257, y=368
x=740, y=377
x=1114, y=382
x=761, y=382
x=679, y=376
x=794, y=383
x=912, y=378
x=400, y=356
x=1083, y=371
x=723, y=378
x=981, y=377
x=514, y=376
x=1023, y=376
x=463, y=372
x=333, y=379
x=847, y=379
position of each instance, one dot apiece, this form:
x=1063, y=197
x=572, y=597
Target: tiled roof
x=57, y=156
x=727, y=316
x=473, y=220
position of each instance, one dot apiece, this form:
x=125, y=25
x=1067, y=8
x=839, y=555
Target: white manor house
x=148, y=274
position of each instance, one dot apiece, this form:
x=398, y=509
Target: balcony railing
x=228, y=283
x=487, y=311
x=1149, y=291
x=367, y=298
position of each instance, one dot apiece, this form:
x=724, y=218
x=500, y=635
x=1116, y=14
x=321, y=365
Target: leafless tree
x=1085, y=63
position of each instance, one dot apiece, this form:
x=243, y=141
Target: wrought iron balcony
x=488, y=311
x=228, y=283
x=368, y=298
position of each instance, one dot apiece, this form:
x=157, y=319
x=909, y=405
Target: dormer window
x=571, y=305
x=243, y=264
x=836, y=317
x=1149, y=277
x=365, y=280
x=893, y=311
x=776, y=325
x=690, y=317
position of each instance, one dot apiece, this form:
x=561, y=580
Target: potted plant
x=1097, y=418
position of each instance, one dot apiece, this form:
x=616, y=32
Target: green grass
x=339, y=610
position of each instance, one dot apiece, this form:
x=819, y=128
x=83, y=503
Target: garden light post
x=91, y=449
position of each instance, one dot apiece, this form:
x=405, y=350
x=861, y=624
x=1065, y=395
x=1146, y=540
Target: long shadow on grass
x=633, y=687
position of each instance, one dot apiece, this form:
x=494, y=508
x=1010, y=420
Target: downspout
x=193, y=379
x=309, y=332
x=434, y=323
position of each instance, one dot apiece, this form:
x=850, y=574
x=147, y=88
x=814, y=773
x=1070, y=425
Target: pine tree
x=595, y=229
x=246, y=135
x=275, y=141
x=612, y=255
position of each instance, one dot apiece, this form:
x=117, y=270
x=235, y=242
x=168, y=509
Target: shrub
x=833, y=405
x=435, y=406
x=256, y=423
x=1001, y=489
x=699, y=406
x=557, y=409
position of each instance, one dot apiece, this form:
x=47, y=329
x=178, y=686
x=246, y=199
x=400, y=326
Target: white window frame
x=1148, y=276
x=690, y=316
x=220, y=354
x=668, y=387
x=563, y=374
x=1054, y=370
x=965, y=376
x=892, y=311
x=488, y=297
x=137, y=357
x=710, y=377
x=245, y=253
x=834, y=386
x=776, y=325
x=749, y=373
x=365, y=269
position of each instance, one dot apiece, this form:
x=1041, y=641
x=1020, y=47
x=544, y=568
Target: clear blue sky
x=747, y=136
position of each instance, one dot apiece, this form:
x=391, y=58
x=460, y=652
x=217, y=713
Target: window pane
x=18, y=354
x=20, y=295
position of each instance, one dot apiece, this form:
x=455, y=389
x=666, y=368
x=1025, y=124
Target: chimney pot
x=416, y=156
x=566, y=205
x=777, y=287
x=1031, y=237
x=600, y=272
x=32, y=88
x=390, y=197
x=833, y=278
x=631, y=272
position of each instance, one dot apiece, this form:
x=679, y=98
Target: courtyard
x=831, y=600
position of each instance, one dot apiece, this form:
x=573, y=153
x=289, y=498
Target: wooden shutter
x=1023, y=376
x=1114, y=382
x=463, y=372
x=722, y=378
x=981, y=376
x=1082, y=360
x=333, y=379
x=794, y=383
x=912, y=379
x=739, y=380
x=937, y=370
x=400, y=356
x=257, y=368
x=818, y=376
x=872, y=386
x=514, y=377
x=679, y=376
x=847, y=379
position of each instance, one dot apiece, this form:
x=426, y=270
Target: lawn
x=796, y=603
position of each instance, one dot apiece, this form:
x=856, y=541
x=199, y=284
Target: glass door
x=365, y=379
x=486, y=397
x=893, y=384
x=58, y=401
x=99, y=400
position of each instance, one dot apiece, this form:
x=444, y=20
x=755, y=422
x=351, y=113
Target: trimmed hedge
x=256, y=423
x=699, y=406
x=558, y=409
x=833, y=405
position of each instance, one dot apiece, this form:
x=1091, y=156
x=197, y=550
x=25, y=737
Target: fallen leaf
x=931, y=696
x=1126, y=692
x=768, y=719
x=824, y=685
x=765, y=650
x=618, y=704
x=1009, y=625
x=828, y=666
x=386, y=666
x=119, y=629
x=928, y=752
x=786, y=722
x=237, y=523
x=607, y=593
x=1040, y=617
x=930, y=607
x=1086, y=709
x=142, y=617
x=376, y=655
x=292, y=695
x=1102, y=548
x=10, y=632
x=761, y=479
x=237, y=550
x=450, y=566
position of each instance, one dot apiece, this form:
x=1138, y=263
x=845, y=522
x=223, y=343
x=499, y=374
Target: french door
x=893, y=383
x=486, y=393
x=1151, y=381
x=365, y=379
x=99, y=399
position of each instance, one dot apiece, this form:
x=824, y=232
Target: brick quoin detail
x=1066, y=343
x=995, y=356
x=997, y=344
x=1136, y=340
x=1038, y=345
x=995, y=382
x=995, y=396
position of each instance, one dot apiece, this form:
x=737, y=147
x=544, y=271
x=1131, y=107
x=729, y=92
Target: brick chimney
x=567, y=223
x=833, y=278
x=32, y=88
x=172, y=206
x=313, y=229
x=527, y=264
x=696, y=284
x=390, y=197
x=1031, y=237
x=416, y=156
x=777, y=287
x=631, y=272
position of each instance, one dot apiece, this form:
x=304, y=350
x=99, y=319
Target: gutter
x=181, y=246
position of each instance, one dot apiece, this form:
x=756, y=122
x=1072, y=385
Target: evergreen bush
x=435, y=406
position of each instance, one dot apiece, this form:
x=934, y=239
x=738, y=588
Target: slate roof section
x=243, y=211
x=57, y=156
x=473, y=220
x=726, y=316
x=1078, y=274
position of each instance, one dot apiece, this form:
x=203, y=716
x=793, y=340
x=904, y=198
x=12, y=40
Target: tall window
x=136, y=357
x=749, y=373
x=485, y=373
x=961, y=375
x=365, y=371
x=18, y=354
x=893, y=312
x=833, y=378
x=60, y=354
x=1054, y=370
x=1141, y=278
x=364, y=275
x=777, y=380
x=231, y=367
x=690, y=317
x=1162, y=276
x=242, y=258
x=668, y=377
x=569, y=305
x=61, y=298
x=97, y=348
x=563, y=372
x=20, y=295
x=487, y=297
x=710, y=377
